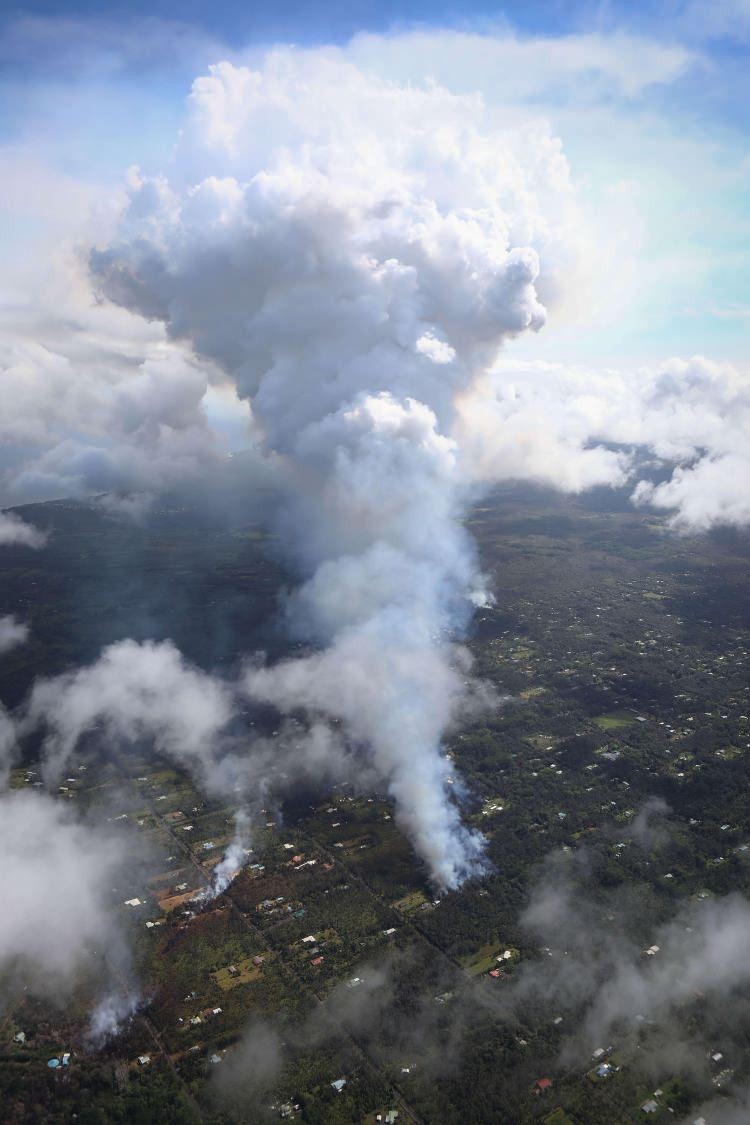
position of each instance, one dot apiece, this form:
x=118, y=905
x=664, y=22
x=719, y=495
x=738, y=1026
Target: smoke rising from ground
x=148, y=691
x=234, y=857
x=353, y=275
x=7, y=743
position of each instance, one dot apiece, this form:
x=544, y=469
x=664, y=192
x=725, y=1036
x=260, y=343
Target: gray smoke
x=254, y=1064
x=7, y=744
x=148, y=691
x=110, y=1013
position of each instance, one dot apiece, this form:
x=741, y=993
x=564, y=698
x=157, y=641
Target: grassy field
x=532, y=692
x=410, y=902
x=558, y=1117
x=613, y=720
x=542, y=741
x=485, y=959
x=246, y=972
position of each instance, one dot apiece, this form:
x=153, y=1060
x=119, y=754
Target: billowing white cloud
x=572, y=428
x=83, y=418
x=697, y=413
x=94, y=398
x=81, y=377
x=354, y=269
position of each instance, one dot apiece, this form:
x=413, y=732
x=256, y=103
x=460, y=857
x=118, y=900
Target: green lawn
x=613, y=720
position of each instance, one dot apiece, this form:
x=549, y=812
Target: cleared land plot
x=485, y=959
x=241, y=972
x=173, y=901
x=411, y=902
x=613, y=720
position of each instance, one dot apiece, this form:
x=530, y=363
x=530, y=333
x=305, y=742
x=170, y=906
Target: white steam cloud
x=355, y=268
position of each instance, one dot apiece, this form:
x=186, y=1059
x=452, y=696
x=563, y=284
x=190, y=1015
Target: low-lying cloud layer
x=15, y=531
x=573, y=428
x=133, y=691
x=56, y=877
x=595, y=963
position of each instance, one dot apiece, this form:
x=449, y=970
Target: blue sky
x=326, y=20
x=723, y=22
x=662, y=161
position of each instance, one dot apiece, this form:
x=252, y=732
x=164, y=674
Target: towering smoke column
x=353, y=254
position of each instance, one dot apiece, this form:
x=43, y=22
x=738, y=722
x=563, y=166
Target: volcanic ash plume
x=352, y=255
